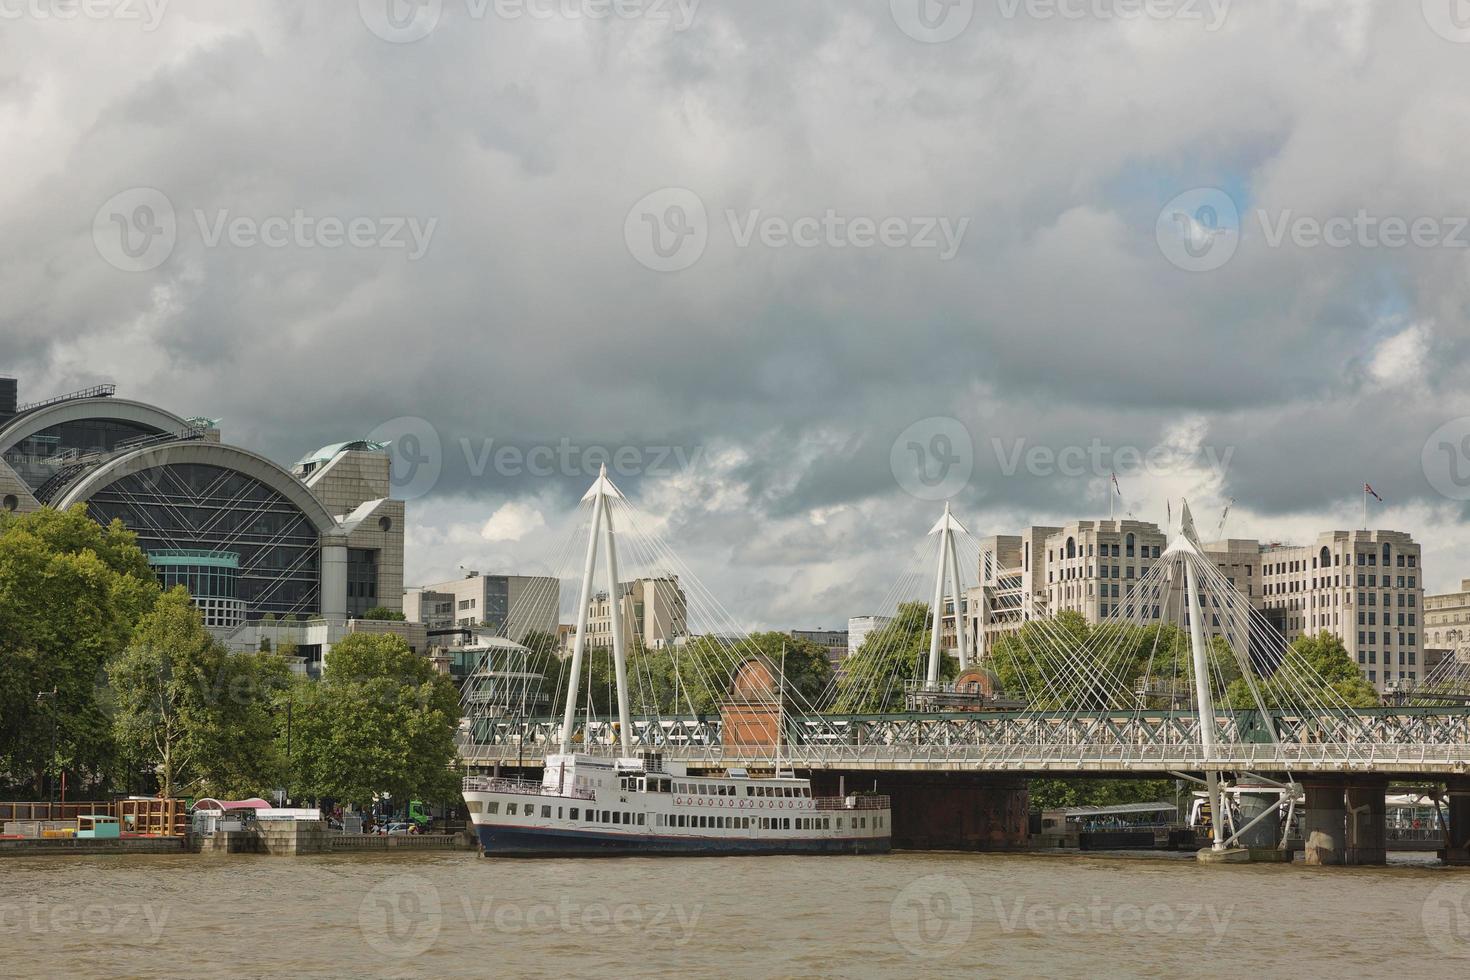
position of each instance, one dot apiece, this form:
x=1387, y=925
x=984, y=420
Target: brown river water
x=907, y=914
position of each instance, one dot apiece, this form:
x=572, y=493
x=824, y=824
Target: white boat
x=589, y=805
x=600, y=805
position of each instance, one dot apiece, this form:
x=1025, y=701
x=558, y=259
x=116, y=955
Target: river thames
x=909, y=913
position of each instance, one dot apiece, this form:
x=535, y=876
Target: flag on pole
x=1117, y=489
x=1369, y=490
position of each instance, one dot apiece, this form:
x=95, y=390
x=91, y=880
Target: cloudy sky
x=801, y=268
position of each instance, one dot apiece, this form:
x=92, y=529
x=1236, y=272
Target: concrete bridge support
x=946, y=811
x=1367, y=821
x=1457, y=843
x=1324, y=822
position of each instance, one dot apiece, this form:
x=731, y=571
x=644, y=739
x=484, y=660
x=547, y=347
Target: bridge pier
x=946, y=811
x=1457, y=839
x=1324, y=822
x=1367, y=820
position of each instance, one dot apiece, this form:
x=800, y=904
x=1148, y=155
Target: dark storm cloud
x=785, y=374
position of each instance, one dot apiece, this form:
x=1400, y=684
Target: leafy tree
x=888, y=657
x=384, y=614
x=71, y=592
x=382, y=721
x=191, y=711
x=1316, y=672
x=1047, y=794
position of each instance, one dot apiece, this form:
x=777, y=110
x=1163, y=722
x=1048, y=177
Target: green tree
x=384, y=614
x=1316, y=672
x=382, y=721
x=888, y=657
x=71, y=592
x=195, y=714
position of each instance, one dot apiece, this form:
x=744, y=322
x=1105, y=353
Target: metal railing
x=520, y=787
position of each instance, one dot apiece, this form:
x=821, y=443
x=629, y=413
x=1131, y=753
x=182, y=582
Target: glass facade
x=362, y=581
x=34, y=459
x=196, y=507
x=212, y=579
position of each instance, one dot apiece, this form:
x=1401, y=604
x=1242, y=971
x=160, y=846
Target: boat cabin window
x=510, y=809
x=492, y=807
x=575, y=811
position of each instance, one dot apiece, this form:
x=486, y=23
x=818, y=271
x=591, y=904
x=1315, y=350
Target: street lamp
x=51, y=697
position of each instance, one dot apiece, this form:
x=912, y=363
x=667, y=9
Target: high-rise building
x=1364, y=587
x=654, y=613
x=835, y=641
x=858, y=628
x=252, y=541
x=511, y=606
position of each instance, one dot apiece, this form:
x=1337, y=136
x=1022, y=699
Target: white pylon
x=602, y=493
x=948, y=567
x=1185, y=543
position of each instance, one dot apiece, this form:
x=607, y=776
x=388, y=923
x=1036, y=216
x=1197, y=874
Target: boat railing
x=521, y=787
x=865, y=802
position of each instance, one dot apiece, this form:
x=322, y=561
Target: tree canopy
x=899, y=651
x=381, y=722
x=71, y=592
x=189, y=710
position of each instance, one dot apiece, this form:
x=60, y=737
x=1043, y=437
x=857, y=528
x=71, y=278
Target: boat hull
x=501, y=841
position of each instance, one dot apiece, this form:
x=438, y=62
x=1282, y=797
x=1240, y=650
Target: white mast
x=1186, y=545
x=945, y=529
x=601, y=494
